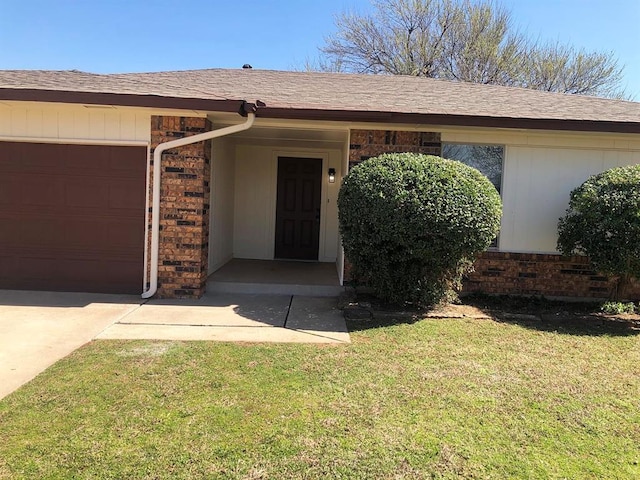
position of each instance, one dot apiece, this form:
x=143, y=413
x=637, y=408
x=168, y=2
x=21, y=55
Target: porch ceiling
x=272, y=133
x=292, y=131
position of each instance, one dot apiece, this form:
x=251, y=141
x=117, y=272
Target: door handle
x=318, y=215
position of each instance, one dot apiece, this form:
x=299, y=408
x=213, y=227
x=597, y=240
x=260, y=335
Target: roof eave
x=119, y=99
x=452, y=120
x=233, y=105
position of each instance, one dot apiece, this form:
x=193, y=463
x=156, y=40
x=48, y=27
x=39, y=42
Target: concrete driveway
x=39, y=328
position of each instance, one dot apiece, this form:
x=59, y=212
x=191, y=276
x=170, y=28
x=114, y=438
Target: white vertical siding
x=331, y=246
x=48, y=122
x=540, y=171
x=255, y=201
x=538, y=182
x=222, y=203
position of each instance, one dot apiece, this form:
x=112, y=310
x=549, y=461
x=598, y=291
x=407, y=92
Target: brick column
x=184, y=207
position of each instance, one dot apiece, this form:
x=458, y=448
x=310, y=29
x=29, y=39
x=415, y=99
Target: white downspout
x=155, y=204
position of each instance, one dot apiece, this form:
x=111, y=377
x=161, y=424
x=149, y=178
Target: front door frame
x=303, y=153
x=289, y=168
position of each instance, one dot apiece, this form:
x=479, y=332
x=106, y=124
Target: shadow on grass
x=534, y=313
x=583, y=326
x=566, y=325
x=357, y=325
x=568, y=318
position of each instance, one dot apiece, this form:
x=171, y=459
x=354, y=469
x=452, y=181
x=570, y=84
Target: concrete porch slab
x=276, y=277
x=274, y=289
x=277, y=271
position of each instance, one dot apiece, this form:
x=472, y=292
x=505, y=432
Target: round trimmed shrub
x=412, y=224
x=603, y=222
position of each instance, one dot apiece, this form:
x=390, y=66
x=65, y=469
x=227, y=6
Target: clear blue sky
x=135, y=35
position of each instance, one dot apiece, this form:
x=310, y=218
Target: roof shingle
x=335, y=92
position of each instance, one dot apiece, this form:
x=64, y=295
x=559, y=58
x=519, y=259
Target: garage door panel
x=56, y=191
x=103, y=235
x=33, y=156
x=86, y=194
x=85, y=158
x=39, y=190
x=105, y=194
x=57, y=245
x=18, y=270
x=29, y=266
x=125, y=234
x=113, y=271
x=81, y=270
x=38, y=232
x=94, y=235
x=87, y=235
x=125, y=193
x=72, y=217
x=125, y=163
x=61, y=272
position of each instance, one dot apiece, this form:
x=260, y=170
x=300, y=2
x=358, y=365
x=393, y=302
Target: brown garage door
x=72, y=217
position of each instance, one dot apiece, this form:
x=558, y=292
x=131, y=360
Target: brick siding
x=365, y=144
x=184, y=207
x=540, y=274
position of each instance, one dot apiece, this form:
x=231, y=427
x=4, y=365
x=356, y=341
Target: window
x=486, y=158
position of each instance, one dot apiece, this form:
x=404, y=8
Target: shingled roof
x=329, y=96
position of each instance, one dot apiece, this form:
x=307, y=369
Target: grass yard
x=433, y=399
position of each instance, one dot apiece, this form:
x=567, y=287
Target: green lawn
x=432, y=399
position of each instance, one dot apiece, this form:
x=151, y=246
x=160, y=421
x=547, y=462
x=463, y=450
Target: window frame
x=496, y=246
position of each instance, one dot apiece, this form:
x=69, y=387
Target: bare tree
x=465, y=40
x=561, y=68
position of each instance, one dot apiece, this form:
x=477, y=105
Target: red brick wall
x=370, y=143
x=184, y=207
x=538, y=274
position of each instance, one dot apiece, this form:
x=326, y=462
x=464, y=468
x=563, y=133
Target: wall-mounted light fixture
x=332, y=175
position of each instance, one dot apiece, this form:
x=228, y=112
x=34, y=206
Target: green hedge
x=411, y=224
x=603, y=222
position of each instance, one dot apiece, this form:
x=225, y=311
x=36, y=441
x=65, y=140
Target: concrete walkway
x=235, y=318
x=39, y=328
